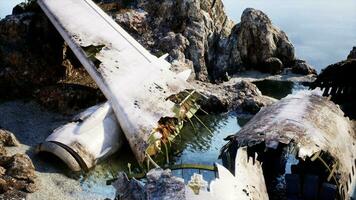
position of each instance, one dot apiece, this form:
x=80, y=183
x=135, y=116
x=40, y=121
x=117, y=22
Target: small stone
x=2, y=171
x=8, y=139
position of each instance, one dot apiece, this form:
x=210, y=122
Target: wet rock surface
x=241, y=97
x=161, y=184
x=17, y=172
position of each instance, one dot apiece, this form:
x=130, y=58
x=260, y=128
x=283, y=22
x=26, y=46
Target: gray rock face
x=161, y=184
x=352, y=54
x=243, y=97
x=192, y=32
x=259, y=40
x=17, y=172
x=301, y=67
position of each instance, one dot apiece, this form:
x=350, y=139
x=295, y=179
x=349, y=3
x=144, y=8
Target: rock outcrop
x=161, y=184
x=198, y=35
x=35, y=62
x=241, y=97
x=352, y=54
x=191, y=31
x=259, y=41
x=17, y=172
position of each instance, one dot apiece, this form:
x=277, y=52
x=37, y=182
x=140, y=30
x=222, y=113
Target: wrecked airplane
x=306, y=145
x=152, y=113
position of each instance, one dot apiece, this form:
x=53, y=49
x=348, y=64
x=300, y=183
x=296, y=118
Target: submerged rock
x=161, y=184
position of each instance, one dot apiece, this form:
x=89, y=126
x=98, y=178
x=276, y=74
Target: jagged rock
x=259, y=39
x=19, y=9
x=8, y=139
x=34, y=59
x=190, y=29
x=128, y=189
x=21, y=167
x=26, y=41
x=17, y=175
x=240, y=97
x=161, y=184
x=352, y=54
x=301, y=67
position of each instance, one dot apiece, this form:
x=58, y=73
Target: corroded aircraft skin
x=138, y=85
x=303, y=138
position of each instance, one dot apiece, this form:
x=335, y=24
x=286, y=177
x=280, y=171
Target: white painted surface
x=129, y=76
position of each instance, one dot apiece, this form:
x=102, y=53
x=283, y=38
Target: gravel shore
x=32, y=124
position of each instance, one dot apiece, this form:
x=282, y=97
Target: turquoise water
x=7, y=5
x=322, y=31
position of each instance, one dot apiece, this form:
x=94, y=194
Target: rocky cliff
x=197, y=35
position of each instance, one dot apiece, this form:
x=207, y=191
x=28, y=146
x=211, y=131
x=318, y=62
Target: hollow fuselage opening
x=289, y=177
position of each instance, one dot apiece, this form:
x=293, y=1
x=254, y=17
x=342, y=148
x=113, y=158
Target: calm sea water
x=322, y=31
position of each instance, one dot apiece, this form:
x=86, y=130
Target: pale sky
x=323, y=31
x=6, y=6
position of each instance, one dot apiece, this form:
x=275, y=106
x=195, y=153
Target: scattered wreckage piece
x=337, y=80
x=144, y=94
x=92, y=136
x=302, y=138
x=247, y=184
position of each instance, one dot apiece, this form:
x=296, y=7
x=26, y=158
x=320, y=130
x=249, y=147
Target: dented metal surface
x=247, y=183
x=311, y=122
x=135, y=82
x=92, y=136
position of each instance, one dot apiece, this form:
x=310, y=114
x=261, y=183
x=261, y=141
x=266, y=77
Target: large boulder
x=259, y=40
x=30, y=53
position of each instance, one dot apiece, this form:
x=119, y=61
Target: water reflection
x=279, y=89
x=191, y=145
